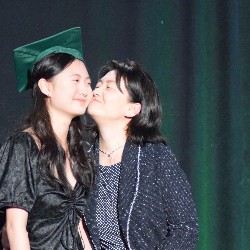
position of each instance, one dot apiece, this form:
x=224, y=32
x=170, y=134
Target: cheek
x=90, y=94
x=90, y=91
x=88, y=99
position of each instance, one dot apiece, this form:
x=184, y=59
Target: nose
x=96, y=92
x=85, y=89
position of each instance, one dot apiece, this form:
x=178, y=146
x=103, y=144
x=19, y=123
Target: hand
x=4, y=239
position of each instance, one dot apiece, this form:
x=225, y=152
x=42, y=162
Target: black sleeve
x=181, y=215
x=17, y=173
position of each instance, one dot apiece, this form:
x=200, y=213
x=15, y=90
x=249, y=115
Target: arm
x=83, y=236
x=17, y=186
x=181, y=215
x=16, y=221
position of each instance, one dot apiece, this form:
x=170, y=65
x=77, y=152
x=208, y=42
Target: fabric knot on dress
x=72, y=209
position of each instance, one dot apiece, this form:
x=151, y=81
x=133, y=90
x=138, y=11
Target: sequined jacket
x=155, y=206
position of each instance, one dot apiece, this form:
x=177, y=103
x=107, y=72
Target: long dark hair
x=145, y=126
x=52, y=156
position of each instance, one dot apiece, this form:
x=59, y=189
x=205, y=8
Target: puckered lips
x=94, y=99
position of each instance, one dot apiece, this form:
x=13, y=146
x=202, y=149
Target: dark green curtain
x=198, y=53
x=203, y=69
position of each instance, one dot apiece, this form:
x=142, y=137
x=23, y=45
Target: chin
x=80, y=113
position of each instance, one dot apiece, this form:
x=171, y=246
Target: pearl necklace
x=108, y=154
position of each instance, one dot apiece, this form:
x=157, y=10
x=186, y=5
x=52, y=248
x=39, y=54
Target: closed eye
x=111, y=86
x=98, y=85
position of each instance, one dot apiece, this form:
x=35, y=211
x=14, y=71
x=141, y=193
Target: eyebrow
x=108, y=81
x=75, y=74
x=86, y=78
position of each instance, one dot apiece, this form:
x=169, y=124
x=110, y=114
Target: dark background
x=197, y=51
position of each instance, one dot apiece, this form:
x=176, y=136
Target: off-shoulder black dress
x=53, y=217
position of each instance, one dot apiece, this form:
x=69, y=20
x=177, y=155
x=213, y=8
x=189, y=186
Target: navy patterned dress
x=106, y=212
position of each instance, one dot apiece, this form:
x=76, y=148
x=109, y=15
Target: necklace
x=108, y=154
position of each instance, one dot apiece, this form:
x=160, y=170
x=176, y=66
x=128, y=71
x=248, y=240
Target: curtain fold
x=205, y=92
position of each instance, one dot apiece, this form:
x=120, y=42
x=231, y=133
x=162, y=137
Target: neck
x=111, y=141
x=111, y=137
x=60, y=126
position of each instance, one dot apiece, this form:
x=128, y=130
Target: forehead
x=110, y=76
x=77, y=67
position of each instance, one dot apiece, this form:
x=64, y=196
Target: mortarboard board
x=68, y=41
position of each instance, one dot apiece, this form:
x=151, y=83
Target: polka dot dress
x=107, y=215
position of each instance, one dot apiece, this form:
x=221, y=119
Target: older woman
x=141, y=198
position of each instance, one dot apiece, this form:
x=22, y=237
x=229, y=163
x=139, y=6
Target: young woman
x=141, y=198
x=45, y=175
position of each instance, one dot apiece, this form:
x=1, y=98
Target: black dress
x=53, y=217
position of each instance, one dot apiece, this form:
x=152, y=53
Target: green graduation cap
x=68, y=41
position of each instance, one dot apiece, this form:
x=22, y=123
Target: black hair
x=145, y=126
x=52, y=156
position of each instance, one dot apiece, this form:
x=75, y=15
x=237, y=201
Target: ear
x=44, y=86
x=133, y=109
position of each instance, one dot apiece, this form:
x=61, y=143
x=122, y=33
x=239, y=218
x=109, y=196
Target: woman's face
x=108, y=102
x=70, y=92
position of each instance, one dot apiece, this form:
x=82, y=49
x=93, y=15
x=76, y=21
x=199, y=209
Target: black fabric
x=155, y=206
x=53, y=217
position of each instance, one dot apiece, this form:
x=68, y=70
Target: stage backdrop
x=198, y=53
